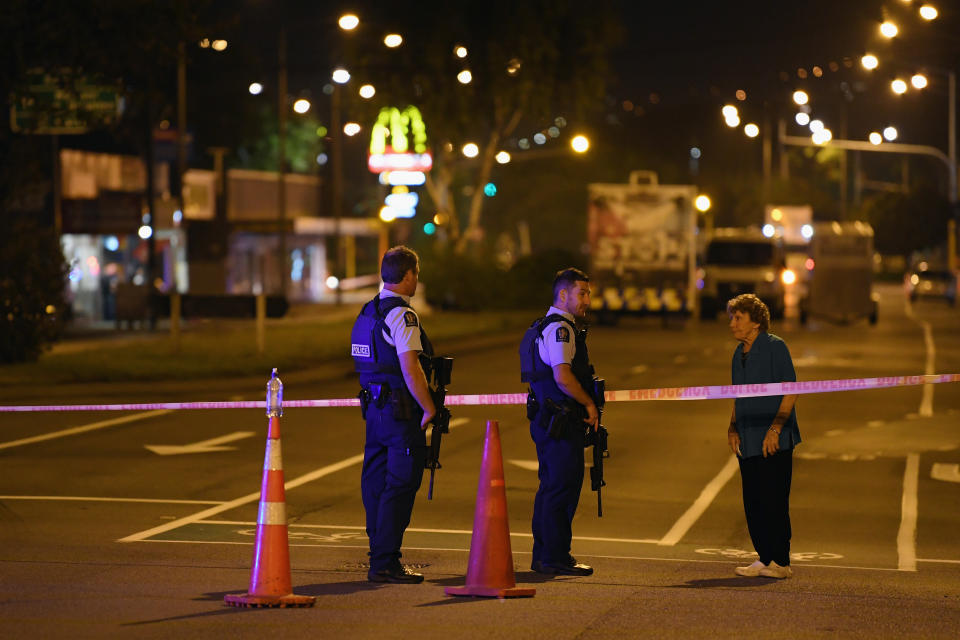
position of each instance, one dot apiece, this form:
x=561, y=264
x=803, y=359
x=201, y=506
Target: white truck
x=742, y=260
x=642, y=244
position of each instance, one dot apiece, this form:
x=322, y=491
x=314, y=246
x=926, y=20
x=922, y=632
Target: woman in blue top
x=763, y=432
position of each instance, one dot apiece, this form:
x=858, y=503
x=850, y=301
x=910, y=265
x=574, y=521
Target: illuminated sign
x=391, y=147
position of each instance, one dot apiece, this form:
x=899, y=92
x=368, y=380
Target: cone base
x=491, y=592
x=248, y=600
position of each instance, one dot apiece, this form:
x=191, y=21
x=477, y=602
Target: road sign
x=63, y=103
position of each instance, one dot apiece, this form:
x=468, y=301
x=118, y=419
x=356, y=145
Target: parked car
x=932, y=284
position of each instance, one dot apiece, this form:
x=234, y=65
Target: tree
x=530, y=63
x=904, y=223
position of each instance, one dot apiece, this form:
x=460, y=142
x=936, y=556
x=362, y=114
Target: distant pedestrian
x=561, y=407
x=762, y=434
x=391, y=352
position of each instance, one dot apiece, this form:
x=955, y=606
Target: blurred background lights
x=322, y=159
x=928, y=12
x=919, y=81
x=503, y=157
x=539, y=138
x=869, y=61
x=255, y=88
x=388, y=214
x=580, y=143
x=489, y=189
x=553, y=132
x=768, y=230
x=806, y=231
x=523, y=143
x=301, y=106
x=875, y=138
x=367, y=91
x=888, y=29
x=776, y=215
x=341, y=75
x=333, y=282
x=728, y=111
x=429, y=228
x=802, y=119
x=219, y=45
x=898, y=86
x=111, y=243
x=351, y=128
x=751, y=130
x=800, y=97
x=348, y=22
x=177, y=216
x=816, y=125
x=788, y=276
x=695, y=153
x=702, y=202
x=393, y=40
x=145, y=231
x=470, y=150
x=321, y=131
x=460, y=51
x=890, y=134
x=465, y=77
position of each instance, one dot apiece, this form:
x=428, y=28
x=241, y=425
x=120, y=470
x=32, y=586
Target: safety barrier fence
x=716, y=392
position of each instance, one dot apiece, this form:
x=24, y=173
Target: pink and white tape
x=717, y=392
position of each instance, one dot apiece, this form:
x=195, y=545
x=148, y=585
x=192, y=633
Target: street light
x=351, y=129
x=255, y=88
x=470, y=150
x=503, y=157
x=875, y=138
x=702, y=203
x=348, y=22
x=367, y=91
x=733, y=121
x=869, y=61
x=728, y=111
x=465, y=77
x=393, y=40
x=800, y=97
x=919, y=81
x=301, y=106
x=928, y=12
x=888, y=29
x=460, y=51
x=802, y=119
x=341, y=75
x=751, y=130
x=816, y=126
x=580, y=143
x=899, y=86
x=890, y=133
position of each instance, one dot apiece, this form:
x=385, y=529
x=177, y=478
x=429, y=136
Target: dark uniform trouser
x=766, y=503
x=393, y=462
x=561, y=478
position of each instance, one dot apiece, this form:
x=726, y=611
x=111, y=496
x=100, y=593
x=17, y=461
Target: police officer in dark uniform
x=391, y=352
x=554, y=360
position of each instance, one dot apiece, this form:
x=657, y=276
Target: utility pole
x=336, y=132
x=282, y=155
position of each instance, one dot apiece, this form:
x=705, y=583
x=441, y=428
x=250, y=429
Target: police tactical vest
x=539, y=374
x=375, y=359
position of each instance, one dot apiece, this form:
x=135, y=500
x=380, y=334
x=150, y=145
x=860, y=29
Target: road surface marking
x=529, y=465
x=907, y=536
x=96, y=499
x=938, y=560
x=687, y=520
x=926, y=401
x=456, y=422
x=83, y=428
x=250, y=497
x=638, y=369
x=945, y=472
x=206, y=446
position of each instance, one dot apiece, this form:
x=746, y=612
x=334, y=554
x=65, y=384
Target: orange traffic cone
x=270, y=576
x=490, y=569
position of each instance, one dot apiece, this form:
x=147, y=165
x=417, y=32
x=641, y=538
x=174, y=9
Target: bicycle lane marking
x=84, y=428
x=250, y=497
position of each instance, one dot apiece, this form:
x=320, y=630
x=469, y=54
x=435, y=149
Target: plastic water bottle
x=274, y=396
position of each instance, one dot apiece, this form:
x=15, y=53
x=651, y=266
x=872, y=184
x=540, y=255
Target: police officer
x=391, y=352
x=555, y=362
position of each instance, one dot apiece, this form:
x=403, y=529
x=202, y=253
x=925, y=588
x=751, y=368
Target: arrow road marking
x=206, y=446
x=945, y=472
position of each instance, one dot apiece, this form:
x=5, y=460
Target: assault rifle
x=440, y=369
x=598, y=439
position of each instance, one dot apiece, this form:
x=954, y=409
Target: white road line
x=456, y=422
x=926, y=400
x=687, y=520
x=907, y=536
x=96, y=499
x=250, y=497
x=938, y=560
x=84, y=428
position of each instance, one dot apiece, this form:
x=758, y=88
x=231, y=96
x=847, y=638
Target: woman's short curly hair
x=752, y=306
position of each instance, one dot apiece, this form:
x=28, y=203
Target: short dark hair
x=396, y=262
x=752, y=306
x=566, y=278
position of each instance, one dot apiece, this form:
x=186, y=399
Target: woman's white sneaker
x=752, y=571
x=773, y=570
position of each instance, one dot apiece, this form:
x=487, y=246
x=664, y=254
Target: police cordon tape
x=717, y=392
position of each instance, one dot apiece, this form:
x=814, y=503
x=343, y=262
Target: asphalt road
x=101, y=536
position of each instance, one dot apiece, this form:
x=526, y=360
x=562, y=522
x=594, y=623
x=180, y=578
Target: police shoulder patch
x=409, y=319
x=563, y=334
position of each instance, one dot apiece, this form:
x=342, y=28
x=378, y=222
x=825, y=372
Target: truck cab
x=741, y=260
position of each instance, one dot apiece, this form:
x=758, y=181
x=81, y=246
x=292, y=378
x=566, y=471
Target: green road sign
x=62, y=103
